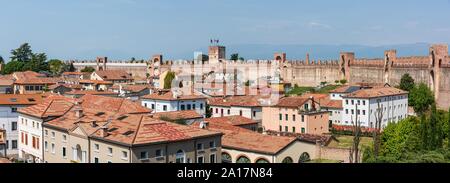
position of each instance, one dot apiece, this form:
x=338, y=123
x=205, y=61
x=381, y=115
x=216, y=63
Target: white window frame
x=124, y=155
x=110, y=151
x=53, y=146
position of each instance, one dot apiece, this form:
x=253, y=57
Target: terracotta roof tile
x=132, y=88
x=376, y=92
x=52, y=106
x=110, y=75
x=232, y=120
x=22, y=99
x=30, y=77
x=243, y=139
x=246, y=101
x=292, y=102
x=177, y=115
x=96, y=82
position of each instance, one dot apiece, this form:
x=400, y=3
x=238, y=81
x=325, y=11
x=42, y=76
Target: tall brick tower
x=390, y=56
x=216, y=54
x=101, y=63
x=346, y=58
x=280, y=57
x=438, y=54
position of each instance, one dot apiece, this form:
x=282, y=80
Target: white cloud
x=319, y=25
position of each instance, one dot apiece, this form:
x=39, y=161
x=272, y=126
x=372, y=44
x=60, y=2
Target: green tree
x=343, y=81
x=168, y=80
x=448, y=129
x=12, y=67
x=37, y=63
x=209, y=111
x=247, y=83
x=421, y=98
x=395, y=137
x=22, y=54
x=1, y=60
x=234, y=56
x=435, y=130
x=88, y=69
x=56, y=66
x=241, y=58
x=407, y=82
x=70, y=68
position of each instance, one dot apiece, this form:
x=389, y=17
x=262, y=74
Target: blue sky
x=122, y=29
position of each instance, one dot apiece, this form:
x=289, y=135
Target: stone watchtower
x=280, y=57
x=216, y=54
x=153, y=67
x=345, y=59
x=101, y=63
x=390, y=57
x=438, y=53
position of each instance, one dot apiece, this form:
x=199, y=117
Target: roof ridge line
x=51, y=102
x=137, y=130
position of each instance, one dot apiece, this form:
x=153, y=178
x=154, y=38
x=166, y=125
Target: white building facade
x=364, y=109
x=8, y=122
x=30, y=138
x=156, y=105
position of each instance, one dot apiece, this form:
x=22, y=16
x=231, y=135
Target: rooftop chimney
x=78, y=110
x=103, y=131
x=204, y=124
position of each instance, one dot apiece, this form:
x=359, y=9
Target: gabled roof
x=6, y=80
x=132, y=88
x=178, y=115
x=22, y=99
x=376, y=92
x=109, y=75
x=95, y=82
x=30, y=77
x=232, y=120
x=247, y=140
x=242, y=101
x=128, y=129
x=89, y=92
x=53, y=106
x=292, y=102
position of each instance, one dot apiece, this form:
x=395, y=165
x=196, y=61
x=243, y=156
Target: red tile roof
x=52, y=106
x=30, y=77
x=244, y=101
x=129, y=129
x=110, y=75
x=178, y=115
x=56, y=106
x=6, y=80
x=22, y=99
x=89, y=92
x=72, y=73
x=292, y=102
x=376, y=92
x=335, y=104
x=232, y=120
x=132, y=88
x=247, y=140
x=96, y=82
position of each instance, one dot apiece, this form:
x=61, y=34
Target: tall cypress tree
x=448, y=128
x=435, y=130
x=424, y=132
